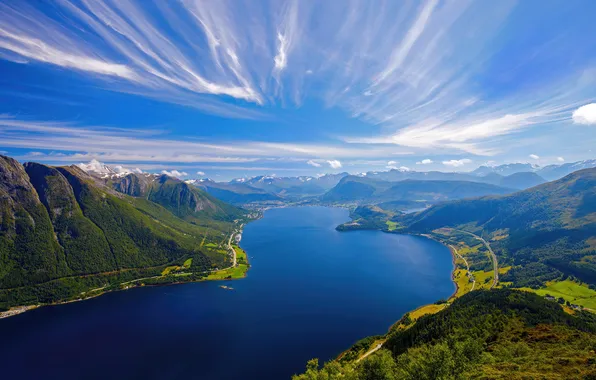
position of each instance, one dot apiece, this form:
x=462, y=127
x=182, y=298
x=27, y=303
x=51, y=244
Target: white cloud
x=585, y=114
x=534, y=157
x=560, y=159
x=200, y=173
x=93, y=166
x=457, y=163
x=426, y=161
x=335, y=164
x=174, y=173
x=392, y=163
x=313, y=163
x=404, y=168
x=401, y=66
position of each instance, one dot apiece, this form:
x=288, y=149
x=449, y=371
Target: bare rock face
x=132, y=184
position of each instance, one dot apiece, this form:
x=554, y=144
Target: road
x=377, y=348
x=492, y=255
x=467, y=266
x=234, y=263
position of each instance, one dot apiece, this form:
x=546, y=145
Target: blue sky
x=241, y=88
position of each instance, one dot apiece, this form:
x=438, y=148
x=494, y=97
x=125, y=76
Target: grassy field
x=391, y=226
x=462, y=281
x=427, y=309
x=483, y=279
x=570, y=291
x=238, y=271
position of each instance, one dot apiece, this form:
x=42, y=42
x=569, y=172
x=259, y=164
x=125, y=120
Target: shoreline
x=453, y=260
x=16, y=310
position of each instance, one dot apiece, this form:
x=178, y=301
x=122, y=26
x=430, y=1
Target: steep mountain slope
x=29, y=249
x=544, y=231
x=363, y=190
x=498, y=334
x=63, y=231
x=552, y=172
x=84, y=243
x=184, y=200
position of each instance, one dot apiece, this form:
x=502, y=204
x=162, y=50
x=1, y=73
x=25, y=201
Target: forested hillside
x=63, y=231
x=544, y=232
x=498, y=334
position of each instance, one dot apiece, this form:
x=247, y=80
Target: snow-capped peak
x=107, y=171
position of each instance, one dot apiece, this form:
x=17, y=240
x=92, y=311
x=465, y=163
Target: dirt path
x=372, y=351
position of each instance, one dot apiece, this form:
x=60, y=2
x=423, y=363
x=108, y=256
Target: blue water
x=311, y=292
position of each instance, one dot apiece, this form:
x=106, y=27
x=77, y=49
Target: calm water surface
x=311, y=292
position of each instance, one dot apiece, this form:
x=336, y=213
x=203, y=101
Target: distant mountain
x=552, y=172
x=364, y=190
x=549, y=173
x=521, y=181
x=64, y=231
x=544, y=232
x=293, y=186
x=235, y=192
x=504, y=170
x=395, y=175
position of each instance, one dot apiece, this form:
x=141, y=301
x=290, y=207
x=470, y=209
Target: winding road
x=467, y=266
x=492, y=255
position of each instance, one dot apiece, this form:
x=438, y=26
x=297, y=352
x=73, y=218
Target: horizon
x=297, y=89
x=97, y=167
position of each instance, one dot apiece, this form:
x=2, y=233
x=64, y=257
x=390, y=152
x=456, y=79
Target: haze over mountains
x=505, y=178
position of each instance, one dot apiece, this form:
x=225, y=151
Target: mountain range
x=364, y=190
x=274, y=189
x=64, y=231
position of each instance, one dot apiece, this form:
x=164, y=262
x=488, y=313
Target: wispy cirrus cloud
x=69, y=142
x=431, y=75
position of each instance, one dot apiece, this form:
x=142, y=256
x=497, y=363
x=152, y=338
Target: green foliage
x=64, y=233
x=550, y=228
x=487, y=334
